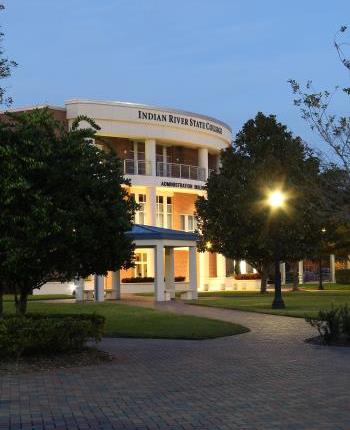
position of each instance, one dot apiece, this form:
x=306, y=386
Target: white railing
x=139, y=167
x=181, y=171
x=169, y=170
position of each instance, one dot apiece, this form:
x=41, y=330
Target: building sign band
x=181, y=120
x=182, y=185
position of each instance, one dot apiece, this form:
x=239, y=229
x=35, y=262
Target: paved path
x=266, y=379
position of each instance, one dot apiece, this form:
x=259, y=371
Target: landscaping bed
x=42, y=363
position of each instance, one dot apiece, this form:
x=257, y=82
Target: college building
x=167, y=155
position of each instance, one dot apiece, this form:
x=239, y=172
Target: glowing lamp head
x=276, y=199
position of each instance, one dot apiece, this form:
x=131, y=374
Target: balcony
x=181, y=171
x=139, y=167
x=168, y=170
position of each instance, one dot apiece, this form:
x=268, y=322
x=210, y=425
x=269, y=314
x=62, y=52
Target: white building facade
x=167, y=155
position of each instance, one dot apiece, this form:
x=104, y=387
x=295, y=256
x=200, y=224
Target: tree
x=64, y=209
x=315, y=108
x=235, y=217
x=6, y=66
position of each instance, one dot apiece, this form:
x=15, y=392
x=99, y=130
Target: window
x=140, y=215
x=164, y=212
x=188, y=223
x=140, y=269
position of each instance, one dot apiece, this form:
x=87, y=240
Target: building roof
x=146, y=232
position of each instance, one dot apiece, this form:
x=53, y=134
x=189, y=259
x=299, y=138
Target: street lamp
x=276, y=201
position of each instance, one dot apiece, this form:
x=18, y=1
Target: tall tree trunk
x=237, y=268
x=295, y=269
x=1, y=299
x=320, y=281
x=21, y=302
x=263, y=282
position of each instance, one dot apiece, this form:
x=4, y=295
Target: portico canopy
x=165, y=240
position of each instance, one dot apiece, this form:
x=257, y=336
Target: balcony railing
x=169, y=170
x=139, y=167
x=181, y=171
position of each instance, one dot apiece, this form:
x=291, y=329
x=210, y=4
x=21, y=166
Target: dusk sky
x=225, y=58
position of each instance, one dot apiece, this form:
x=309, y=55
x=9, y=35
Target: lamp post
x=320, y=280
x=276, y=201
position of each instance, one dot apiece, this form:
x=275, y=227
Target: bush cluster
x=247, y=276
x=342, y=276
x=40, y=334
x=332, y=324
x=140, y=279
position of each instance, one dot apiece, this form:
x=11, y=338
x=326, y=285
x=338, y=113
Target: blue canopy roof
x=139, y=232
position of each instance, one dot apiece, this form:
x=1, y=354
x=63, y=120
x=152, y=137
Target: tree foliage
x=64, y=210
x=6, y=66
x=316, y=109
x=235, y=217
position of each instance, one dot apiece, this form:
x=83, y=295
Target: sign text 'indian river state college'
x=181, y=120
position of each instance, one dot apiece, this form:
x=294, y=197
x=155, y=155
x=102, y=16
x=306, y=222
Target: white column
x=136, y=164
x=301, y=271
x=332, y=267
x=159, y=273
x=218, y=163
x=193, y=287
x=220, y=266
x=243, y=267
x=165, y=150
x=79, y=289
x=151, y=206
x=204, y=271
x=150, y=263
x=99, y=288
x=150, y=156
x=283, y=273
x=170, y=271
x=116, y=285
x=203, y=160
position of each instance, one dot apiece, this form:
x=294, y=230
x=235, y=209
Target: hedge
x=342, y=276
x=247, y=276
x=140, y=279
x=40, y=334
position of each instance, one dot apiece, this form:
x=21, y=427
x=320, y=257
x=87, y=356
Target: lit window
x=140, y=269
x=188, y=223
x=140, y=215
x=164, y=212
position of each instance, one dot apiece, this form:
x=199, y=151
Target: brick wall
x=212, y=265
x=182, y=155
x=181, y=263
x=121, y=146
x=212, y=161
x=182, y=204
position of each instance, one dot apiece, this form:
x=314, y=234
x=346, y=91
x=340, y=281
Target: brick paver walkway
x=266, y=379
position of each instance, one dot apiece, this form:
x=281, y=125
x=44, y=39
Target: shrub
x=39, y=334
x=140, y=279
x=342, y=276
x=248, y=276
x=345, y=320
x=328, y=323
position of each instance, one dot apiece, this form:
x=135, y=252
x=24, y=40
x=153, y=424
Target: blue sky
x=224, y=58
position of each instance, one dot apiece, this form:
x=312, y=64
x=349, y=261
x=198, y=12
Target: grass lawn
x=132, y=321
x=36, y=297
x=326, y=286
x=298, y=304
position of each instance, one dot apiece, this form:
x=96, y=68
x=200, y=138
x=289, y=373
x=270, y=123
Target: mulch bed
x=317, y=340
x=87, y=357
